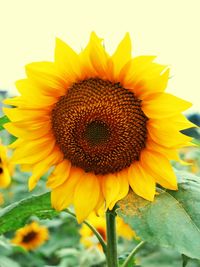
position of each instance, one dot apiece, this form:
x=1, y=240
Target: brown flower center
x=99, y=126
x=102, y=232
x=29, y=237
x=1, y=170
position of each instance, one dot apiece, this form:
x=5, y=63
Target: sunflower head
x=103, y=121
x=6, y=168
x=97, y=120
x=31, y=236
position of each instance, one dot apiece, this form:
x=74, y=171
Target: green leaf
x=6, y=262
x=172, y=220
x=3, y=120
x=156, y=256
x=15, y=215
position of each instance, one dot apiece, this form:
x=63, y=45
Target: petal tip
x=31, y=185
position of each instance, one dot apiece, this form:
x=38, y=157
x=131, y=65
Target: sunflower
x=191, y=159
x=99, y=222
x=1, y=199
x=103, y=121
x=124, y=230
x=30, y=236
x=88, y=238
x=6, y=168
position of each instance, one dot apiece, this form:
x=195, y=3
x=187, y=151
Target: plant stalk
x=133, y=252
x=112, y=260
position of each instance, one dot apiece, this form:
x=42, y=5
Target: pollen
x=99, y=126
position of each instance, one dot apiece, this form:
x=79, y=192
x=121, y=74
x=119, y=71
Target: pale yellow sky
x=167, y=28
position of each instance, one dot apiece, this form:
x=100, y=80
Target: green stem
x=111, y=255
x=185, y=260
x=99, y=237
x=101, y=241
x=133, y=252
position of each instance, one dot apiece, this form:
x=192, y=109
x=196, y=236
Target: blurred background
x=167, y=28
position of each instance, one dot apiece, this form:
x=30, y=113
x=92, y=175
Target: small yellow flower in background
x=1, y=199
x=31, y=236
x=6, y=168
x=191, y=158
x=124, y=230
x=88, y=238
x=104, y=121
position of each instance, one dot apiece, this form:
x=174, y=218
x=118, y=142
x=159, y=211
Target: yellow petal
x=14, y=101
x=169, y=153
x=5, y=178
x=45, y=75
x=100, y=202
x=38, y=172
x=166, y=135
x=184, y=163
x=27, y=115
x=87, y=68
x=181, y=122
x=16, y=143
x=144, y=77
x=59, y=175
x=142, y=183
x=159, y=168
x=98, y=56
x=26, y=167
x=17, y=130
x=36, y=125
x=38, y=94
x=63, y=195
x=67, y=61
x=111, y=189
x=86, y=196
x=137, y=66
x=40, y=149
x=123, y=185
x=42, y=167
x=163, y=105
x=154, y=84
x=122, y=55
x=174, y=124
x=37, y=102
x=27, y=89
